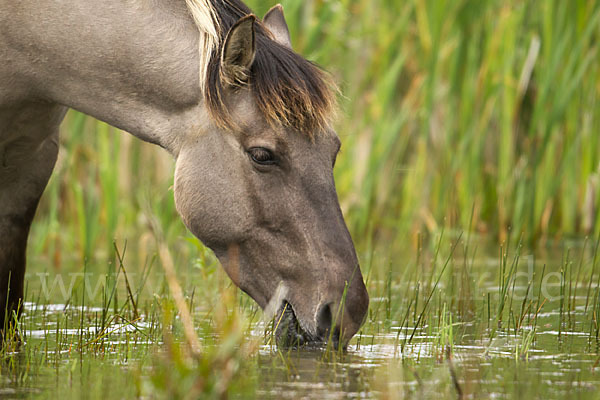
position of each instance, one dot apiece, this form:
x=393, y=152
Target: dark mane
x=289, y=90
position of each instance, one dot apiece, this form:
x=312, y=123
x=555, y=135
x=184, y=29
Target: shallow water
x=378, y=367
x=372, y=369
x=458, y=350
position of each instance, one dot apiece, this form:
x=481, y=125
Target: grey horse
x=245, y=117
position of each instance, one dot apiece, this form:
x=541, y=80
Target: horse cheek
x=207, y=198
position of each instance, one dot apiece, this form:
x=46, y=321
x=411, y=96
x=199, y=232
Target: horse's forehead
x=249, y=118
x=253, y=124
x=244, y=105
x=245, y=112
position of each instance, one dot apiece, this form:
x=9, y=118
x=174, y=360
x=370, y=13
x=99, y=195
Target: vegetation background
x=475, y=116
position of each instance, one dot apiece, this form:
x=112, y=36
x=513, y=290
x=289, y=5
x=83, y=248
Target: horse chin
x=290, y=333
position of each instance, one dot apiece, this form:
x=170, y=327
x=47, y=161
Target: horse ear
x=274, y=20
x=239, y=51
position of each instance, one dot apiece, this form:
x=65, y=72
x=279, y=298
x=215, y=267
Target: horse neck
x=133, y=64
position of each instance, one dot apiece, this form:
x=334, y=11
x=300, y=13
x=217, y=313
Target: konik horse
x=247, y=120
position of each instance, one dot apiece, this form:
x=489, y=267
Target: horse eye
x=262, y=156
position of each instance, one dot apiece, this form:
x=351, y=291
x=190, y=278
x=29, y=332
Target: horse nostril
x=324, y=321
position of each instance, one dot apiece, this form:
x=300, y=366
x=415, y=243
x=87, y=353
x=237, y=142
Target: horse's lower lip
x=288, y=331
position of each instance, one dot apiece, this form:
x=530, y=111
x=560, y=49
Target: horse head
x=255, y=184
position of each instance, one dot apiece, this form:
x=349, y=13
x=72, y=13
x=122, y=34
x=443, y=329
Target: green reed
x=458, y=106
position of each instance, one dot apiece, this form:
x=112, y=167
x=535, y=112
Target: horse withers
x=245, y=117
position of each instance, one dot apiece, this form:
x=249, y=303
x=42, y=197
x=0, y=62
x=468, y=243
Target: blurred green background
x=468, y=115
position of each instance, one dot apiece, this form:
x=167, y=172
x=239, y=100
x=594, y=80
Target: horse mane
x=289, y=90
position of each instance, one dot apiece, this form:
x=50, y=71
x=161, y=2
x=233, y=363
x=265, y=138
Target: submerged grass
x=469, y=178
